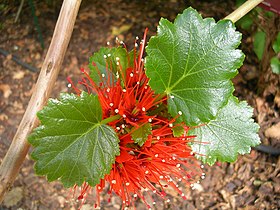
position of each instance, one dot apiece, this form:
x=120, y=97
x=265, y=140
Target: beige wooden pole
x=243, y=10
x=19, y=147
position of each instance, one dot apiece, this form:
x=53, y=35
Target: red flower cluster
x=161, y=160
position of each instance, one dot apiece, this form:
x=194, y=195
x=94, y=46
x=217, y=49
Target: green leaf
x=269, y=14
x=192, y=61
x=71, y=144
x=233, y=132
x=259, y=44
x=275, y=65
x=276, y=44
x=239, y=2
x=178, y=131
x=140, y=135
x=106, y=59
x=245, y=22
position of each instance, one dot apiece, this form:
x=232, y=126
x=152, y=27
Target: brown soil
x=252, y=182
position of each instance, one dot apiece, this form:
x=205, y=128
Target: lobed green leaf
x=140, y=135
x=105, y=61
x=71, y=144
x=232, y=132
x=192, y=61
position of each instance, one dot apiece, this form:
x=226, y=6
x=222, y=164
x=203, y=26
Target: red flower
x=163, y=160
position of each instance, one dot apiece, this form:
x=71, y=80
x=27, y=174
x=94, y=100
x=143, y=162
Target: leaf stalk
x=110, y=119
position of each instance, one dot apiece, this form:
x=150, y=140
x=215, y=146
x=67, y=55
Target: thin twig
x=19, y=10
x=243, y=10
x=18, y=61
x=45, y=83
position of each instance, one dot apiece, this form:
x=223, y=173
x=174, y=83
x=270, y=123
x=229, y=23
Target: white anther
x=150, y=120
x=99, y=188
x=108, y=43
x=105, y=56
x=138, y=83
x=180, y=113
x=136, y=37
x=127, y=184
x=170, y=125
x=121, y=42
x=131, y=74
x=202, y=166
x=136, y=45
x=168, y=200
x=103, y=75
x=146, y=172
x=124, y=90
x=161, y=177
x=118, y=63
x=178, y=165
x=117, y=58
x=123, y=126
x=156, y=155
x=108, y=90
x=69, y=85
x=135, y=195
x=143, y=109
x=158, y=137
x=111, y=104
x=118, y=128
x=114, y=181
x=163, y=160
x=116, y=111
x=124, y=116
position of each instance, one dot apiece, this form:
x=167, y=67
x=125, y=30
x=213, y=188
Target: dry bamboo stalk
x=16, y=154
x=243, y=10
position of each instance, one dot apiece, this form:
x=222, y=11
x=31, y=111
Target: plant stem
x=161, y=96
x=243, y=10
x=16, y=154
x=36, y=23
x=110, y=119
